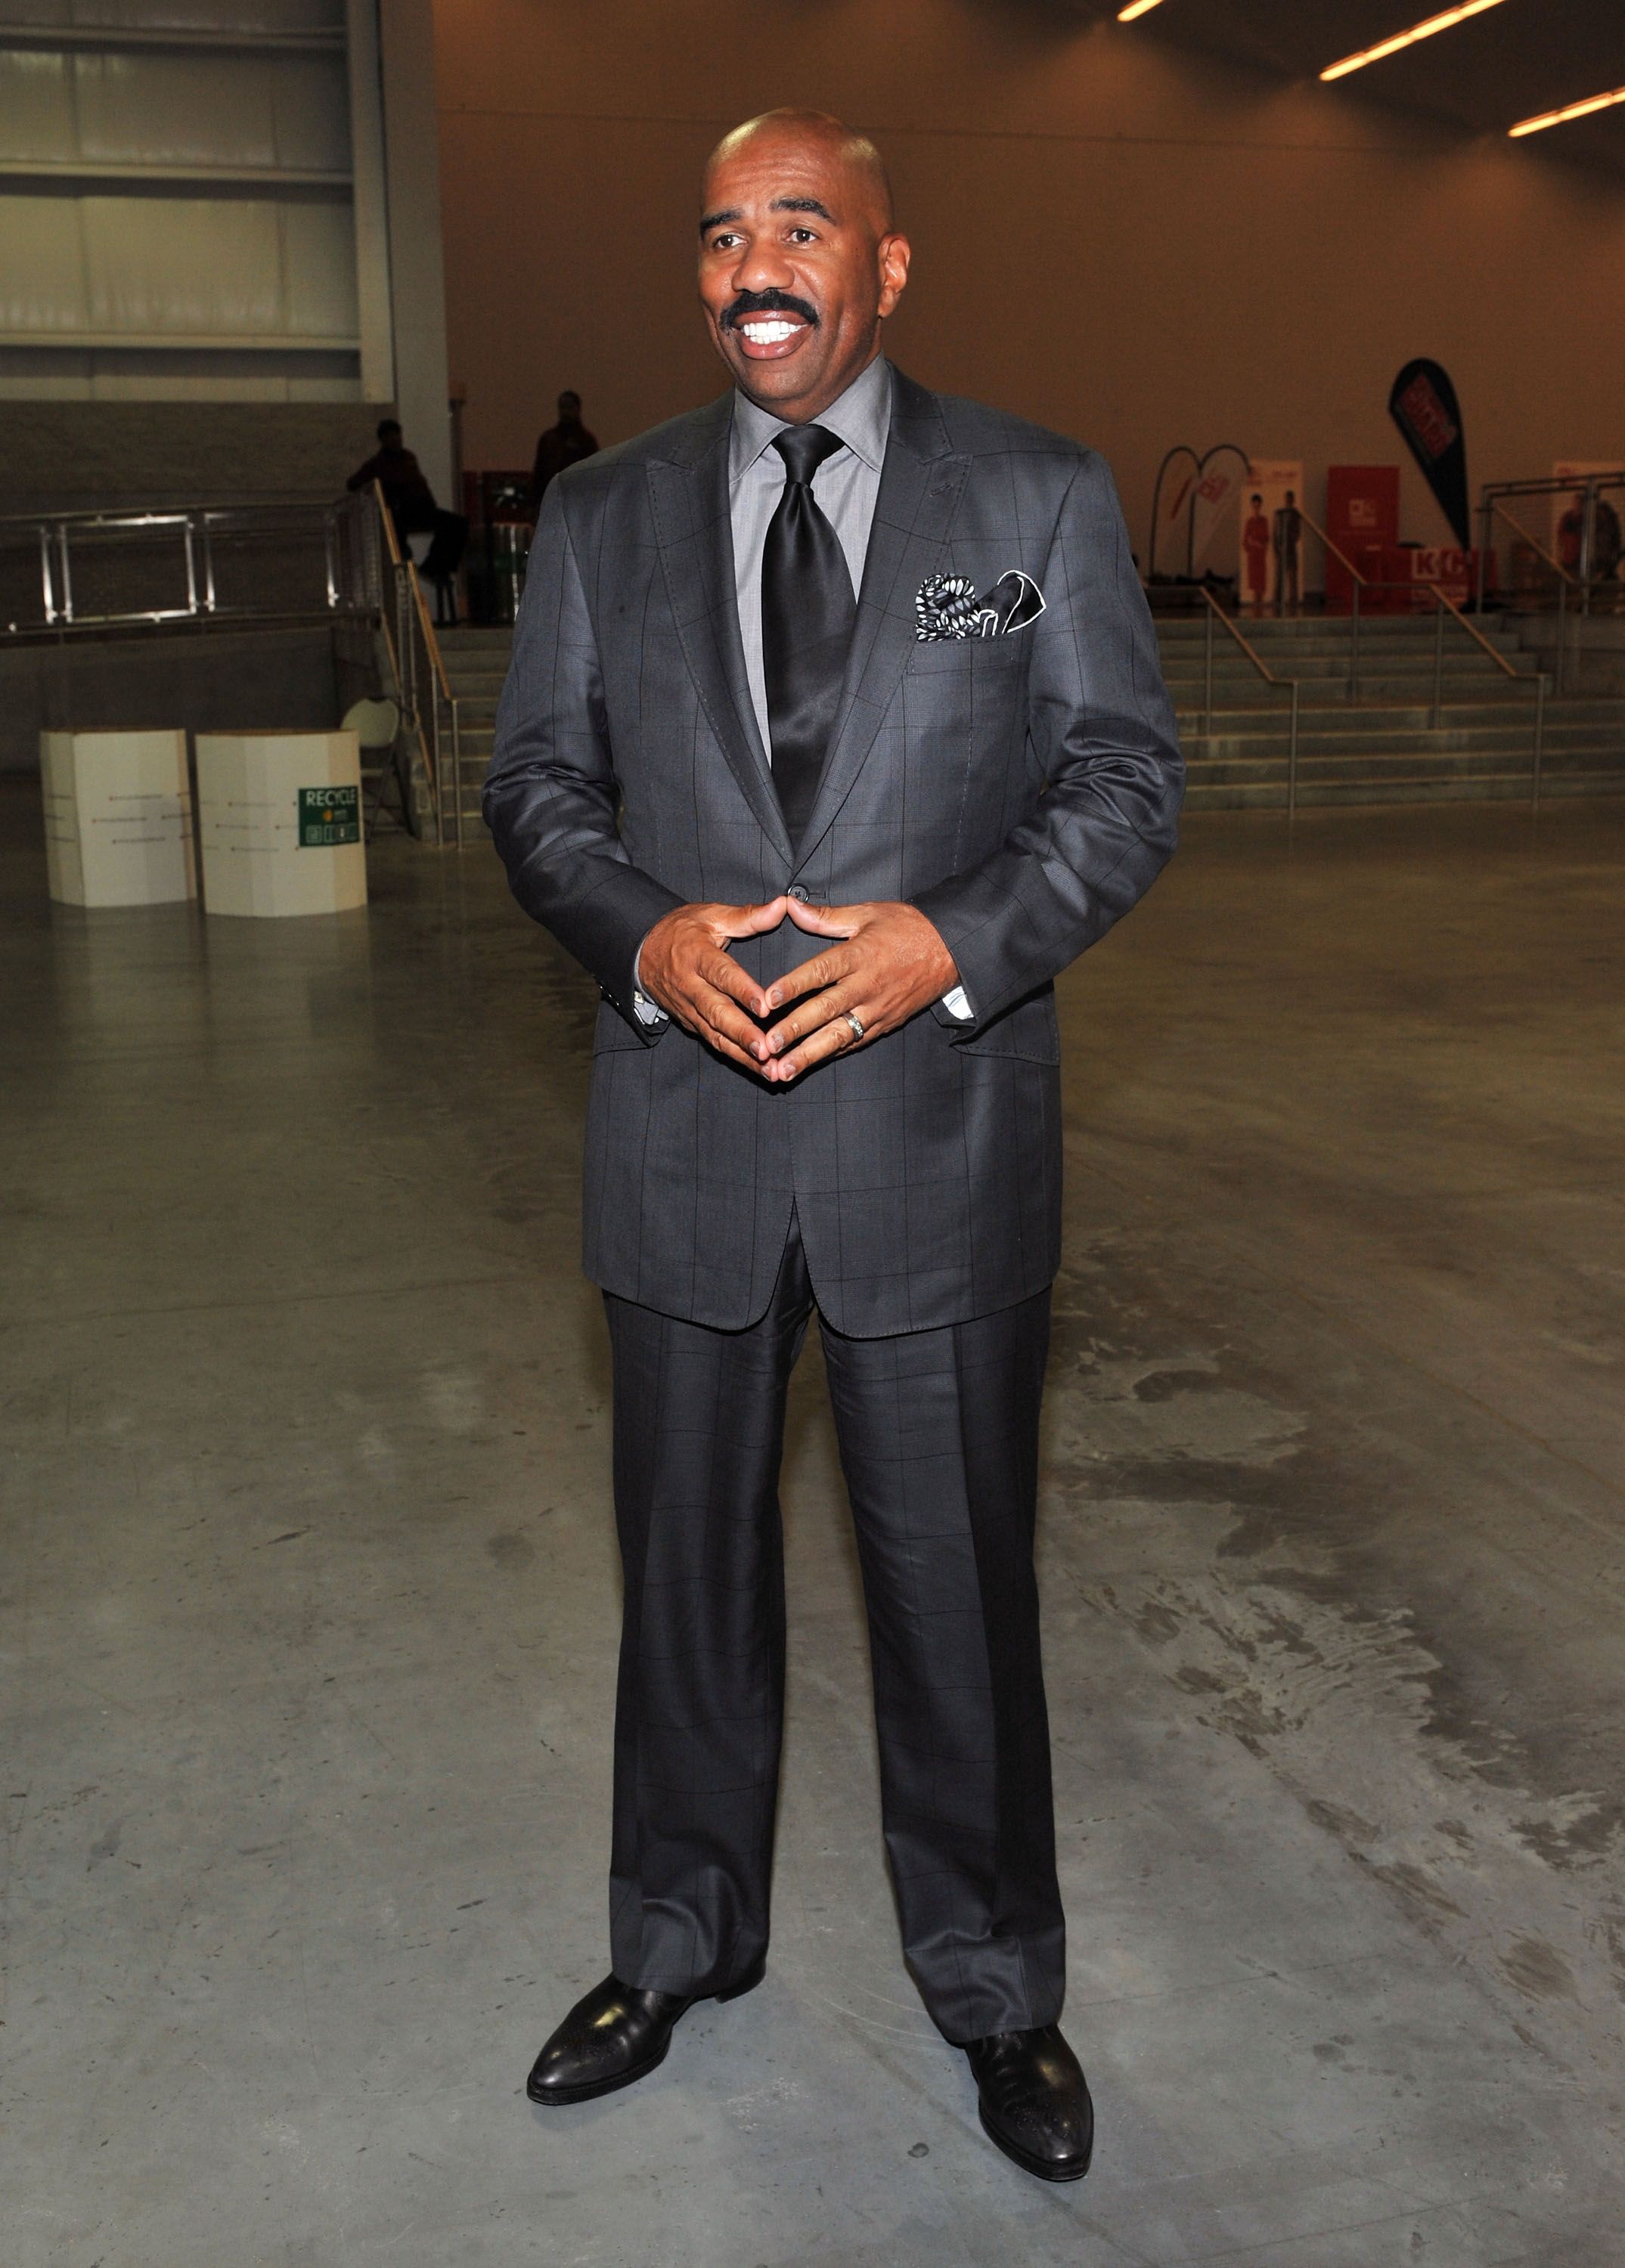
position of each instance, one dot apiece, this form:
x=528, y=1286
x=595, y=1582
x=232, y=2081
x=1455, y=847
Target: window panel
x=42, y=265
x=36, y=105
x=146, y=262
x=213, y=110
x=320, y=245
x=183, y=266
x=310, y=99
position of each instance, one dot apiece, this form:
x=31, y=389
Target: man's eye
x=721, y=243
x=804, y=235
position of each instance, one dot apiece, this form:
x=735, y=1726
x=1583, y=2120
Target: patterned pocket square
x=946, y=607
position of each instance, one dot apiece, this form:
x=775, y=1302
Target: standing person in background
x=1289, y=550
x=409, y=502
x=1255, y=552
x=835, y=730
x=563, y=445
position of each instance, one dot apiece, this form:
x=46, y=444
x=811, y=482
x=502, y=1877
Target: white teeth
x=769, y=335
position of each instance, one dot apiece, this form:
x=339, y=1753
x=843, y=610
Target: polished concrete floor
x=310, y=1602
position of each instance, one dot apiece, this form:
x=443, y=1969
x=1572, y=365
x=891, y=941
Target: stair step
x=1503, y=788
x=1373, y=777
x=1381, y=748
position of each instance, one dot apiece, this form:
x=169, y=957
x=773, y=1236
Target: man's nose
x=762, y=267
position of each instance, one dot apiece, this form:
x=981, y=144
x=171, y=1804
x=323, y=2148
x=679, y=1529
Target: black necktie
x=808, y=615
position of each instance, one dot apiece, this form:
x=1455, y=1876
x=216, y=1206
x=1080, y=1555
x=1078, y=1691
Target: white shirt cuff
x=957, y=1005
x=646, y=1010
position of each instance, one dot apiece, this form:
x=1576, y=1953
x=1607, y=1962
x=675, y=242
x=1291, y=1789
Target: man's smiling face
x=799, y=264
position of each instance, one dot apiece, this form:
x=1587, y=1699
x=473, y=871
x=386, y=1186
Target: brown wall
x=1137, y=250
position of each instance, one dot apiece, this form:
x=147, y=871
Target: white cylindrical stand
x=279, y=822
x=118, y=817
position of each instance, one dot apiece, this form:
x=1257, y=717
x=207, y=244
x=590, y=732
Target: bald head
x=854, y=154
x=799, y=259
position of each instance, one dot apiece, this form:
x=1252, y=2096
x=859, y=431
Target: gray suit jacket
x=1022, y=790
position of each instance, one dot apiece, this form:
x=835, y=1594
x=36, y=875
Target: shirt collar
x=861, y=416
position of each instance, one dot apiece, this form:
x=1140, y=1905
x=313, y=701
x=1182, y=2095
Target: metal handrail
x=1493, y=506
x=250, y=509
x=1444, y=602
x=1566, y=582
x=198, y=526
x=1551, y=484
x=1490, y=503
x=1267, y=674
x=414, y=634
x=1336, y=550
x=1472, y=631
x=1359, y=580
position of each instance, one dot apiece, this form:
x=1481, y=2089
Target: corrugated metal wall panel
x=155, y=108
x=115, y=259
x=318, y=257
x=41, y=266
x=36, y=106
x=186, y=268
x=176, y=269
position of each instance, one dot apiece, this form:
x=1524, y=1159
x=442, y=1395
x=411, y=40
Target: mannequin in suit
x=834, y=731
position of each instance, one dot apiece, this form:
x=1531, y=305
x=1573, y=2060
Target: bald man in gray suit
x=834, y=731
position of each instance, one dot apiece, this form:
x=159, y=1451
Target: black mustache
x=765, y=303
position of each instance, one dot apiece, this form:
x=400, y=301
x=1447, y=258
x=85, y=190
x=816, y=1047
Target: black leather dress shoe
x=1035, y=2102
x=615, y=2035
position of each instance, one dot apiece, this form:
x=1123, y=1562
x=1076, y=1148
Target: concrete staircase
x=1385, y=748
x=477, y=662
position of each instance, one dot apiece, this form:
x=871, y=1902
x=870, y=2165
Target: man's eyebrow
x=708, y=221
x=802, y=204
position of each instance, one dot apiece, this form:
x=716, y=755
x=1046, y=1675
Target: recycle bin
x=279, y=822
x=118, y=817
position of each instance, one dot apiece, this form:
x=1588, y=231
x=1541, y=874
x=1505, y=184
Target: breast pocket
x=963, y=696
x=967, y=658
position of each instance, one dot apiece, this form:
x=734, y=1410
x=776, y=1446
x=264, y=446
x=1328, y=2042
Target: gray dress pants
x=938, y=1433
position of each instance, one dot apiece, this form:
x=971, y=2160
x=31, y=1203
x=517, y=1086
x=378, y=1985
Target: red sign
x=1452, y=569
x=1429, y=419
x=1361, y=510
x=1398, y=574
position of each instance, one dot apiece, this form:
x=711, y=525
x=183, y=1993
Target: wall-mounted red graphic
x=1363, y=520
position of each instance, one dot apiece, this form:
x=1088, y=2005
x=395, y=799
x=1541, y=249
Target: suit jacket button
x=798, y=892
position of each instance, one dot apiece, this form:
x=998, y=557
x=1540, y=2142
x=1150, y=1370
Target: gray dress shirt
x=845, y=486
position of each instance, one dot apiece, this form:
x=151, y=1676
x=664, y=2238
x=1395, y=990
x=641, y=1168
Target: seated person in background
x=562, y=444
x=409, y=501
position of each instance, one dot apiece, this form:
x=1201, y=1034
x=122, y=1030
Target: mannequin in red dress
x=1255, y=543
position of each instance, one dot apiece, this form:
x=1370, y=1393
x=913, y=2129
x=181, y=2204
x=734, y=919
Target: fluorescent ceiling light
x=1570, y=110
x=1423, y=31
x=1135, y=8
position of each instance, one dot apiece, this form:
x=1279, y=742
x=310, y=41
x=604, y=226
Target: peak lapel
x=920, y=488
x=688, y=495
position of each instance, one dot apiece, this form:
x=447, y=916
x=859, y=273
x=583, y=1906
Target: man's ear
x=893, y=259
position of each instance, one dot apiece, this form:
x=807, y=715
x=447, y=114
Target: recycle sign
x=329, y=815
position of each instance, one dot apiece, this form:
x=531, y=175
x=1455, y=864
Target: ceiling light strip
x=1136, y=8
x=1443, y=22
x=1570, y=110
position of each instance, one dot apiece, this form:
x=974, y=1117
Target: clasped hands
x=884, y=963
